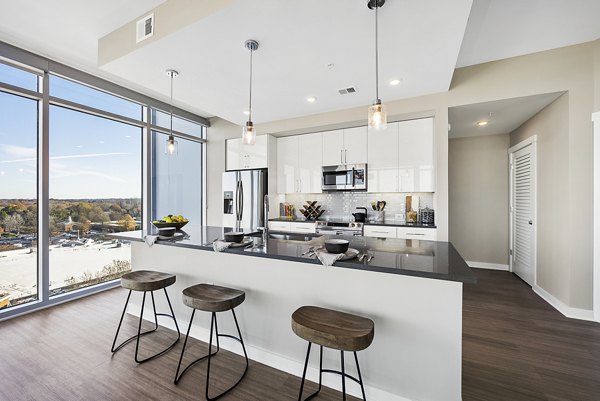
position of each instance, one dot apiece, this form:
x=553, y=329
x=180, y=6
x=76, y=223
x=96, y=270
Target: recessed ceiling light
x=311, y=99
x=127, y=136
x=246, y=112
x=79, y=146
x=100, y=141
x=395, y=82
x=482, y=123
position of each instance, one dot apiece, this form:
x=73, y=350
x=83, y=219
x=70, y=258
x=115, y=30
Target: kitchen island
x=411, y=289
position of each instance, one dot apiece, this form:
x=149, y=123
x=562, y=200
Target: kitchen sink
x=293, y=237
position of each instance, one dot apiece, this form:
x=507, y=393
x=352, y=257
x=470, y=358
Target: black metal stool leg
x=362, y=387
x=304, y=372
x=137, y=339
x=187, y=335
x=112, y=349
x=156, y=320
x=343, y=377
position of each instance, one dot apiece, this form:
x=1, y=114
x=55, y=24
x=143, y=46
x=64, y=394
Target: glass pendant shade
x=377, y=117
x=249, y=134
x=171, y=146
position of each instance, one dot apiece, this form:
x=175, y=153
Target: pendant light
x=377, y=115
x=171, y=144
x=249, y=132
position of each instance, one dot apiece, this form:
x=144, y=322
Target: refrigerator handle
x=241, y=202
x=237, y=201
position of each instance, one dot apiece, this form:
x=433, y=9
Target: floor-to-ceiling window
x=95, y=189
x=18, y=190
x=92, y=162
x=177, y=186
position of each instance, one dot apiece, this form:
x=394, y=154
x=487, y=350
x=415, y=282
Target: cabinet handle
x=414, y=234
x=341, y=155
x=382, y=232
x=346, y=156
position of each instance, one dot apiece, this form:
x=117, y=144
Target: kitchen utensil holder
x=379, y=216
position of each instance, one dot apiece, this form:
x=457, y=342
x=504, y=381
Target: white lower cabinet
x=428, y=234
x=302, y=227
x=292, y=227
x=379, y=231
x=279, y=226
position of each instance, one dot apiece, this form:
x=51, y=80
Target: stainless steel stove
x=339, y=227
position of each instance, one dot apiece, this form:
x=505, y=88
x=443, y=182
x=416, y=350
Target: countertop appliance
x=339, y=227
x=243, y=198
x=346, y=177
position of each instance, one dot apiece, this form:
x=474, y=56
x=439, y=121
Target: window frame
x=43, y=68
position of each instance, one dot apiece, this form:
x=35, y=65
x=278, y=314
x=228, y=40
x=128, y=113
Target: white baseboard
x=491, y=266
x=573, y=313
x=278, y=361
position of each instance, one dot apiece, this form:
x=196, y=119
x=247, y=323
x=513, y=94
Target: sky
x=90, y=157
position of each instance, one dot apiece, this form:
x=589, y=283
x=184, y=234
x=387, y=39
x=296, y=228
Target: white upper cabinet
x=299, y=163
x=347, y=146
x=245, y=157
x=383, y=159
x=355, y=145
x=287, y=165
x=333, y=147
x=310, y=154
x=416, y=156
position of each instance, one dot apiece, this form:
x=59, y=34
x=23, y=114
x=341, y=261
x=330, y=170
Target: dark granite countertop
x=386, y=222
x=397, y=223
x=292, y=220
x=428, y=259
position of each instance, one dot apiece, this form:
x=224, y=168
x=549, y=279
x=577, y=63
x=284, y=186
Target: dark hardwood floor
x=515, y=347
x=63, y=353
x=518, y=347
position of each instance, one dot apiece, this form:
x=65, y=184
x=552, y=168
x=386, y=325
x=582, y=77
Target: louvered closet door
x=523, y=204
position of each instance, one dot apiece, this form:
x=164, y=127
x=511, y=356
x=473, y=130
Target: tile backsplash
x=342, y=204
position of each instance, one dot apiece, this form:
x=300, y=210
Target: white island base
x=416, y=353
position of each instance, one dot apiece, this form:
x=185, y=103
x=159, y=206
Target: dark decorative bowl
x=167, y=231
x=337, y=245
x=234, y=236
x=177, y=226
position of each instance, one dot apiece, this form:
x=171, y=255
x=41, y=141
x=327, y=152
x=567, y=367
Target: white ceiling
x=420, y=43
x=68, y=30
x=501, y=29
x=507, y=115
x=297, y=42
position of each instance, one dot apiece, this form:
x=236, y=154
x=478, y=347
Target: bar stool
x=146, y=281
x=336, y=330
x=212, y=298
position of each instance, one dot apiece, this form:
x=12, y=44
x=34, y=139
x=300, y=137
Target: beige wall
x=569, y=69
x=478, y=197
x=551, y=125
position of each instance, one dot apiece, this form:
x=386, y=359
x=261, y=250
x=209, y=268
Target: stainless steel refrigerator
x=243, y=195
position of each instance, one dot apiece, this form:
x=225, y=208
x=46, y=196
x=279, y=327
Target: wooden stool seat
x=147, y=280
x=333, y=329
x=212, y=298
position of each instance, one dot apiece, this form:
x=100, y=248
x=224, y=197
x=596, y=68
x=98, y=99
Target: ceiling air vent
x=144, y=28
x=347, y=91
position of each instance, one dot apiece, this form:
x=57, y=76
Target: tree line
x=19, y=216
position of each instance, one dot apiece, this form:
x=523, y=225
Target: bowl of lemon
x=171, y=221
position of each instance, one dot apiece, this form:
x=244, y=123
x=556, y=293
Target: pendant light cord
x=171, y=131
x=376, y=52
x=250, y=100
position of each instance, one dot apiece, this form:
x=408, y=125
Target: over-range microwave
x=347, y=177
